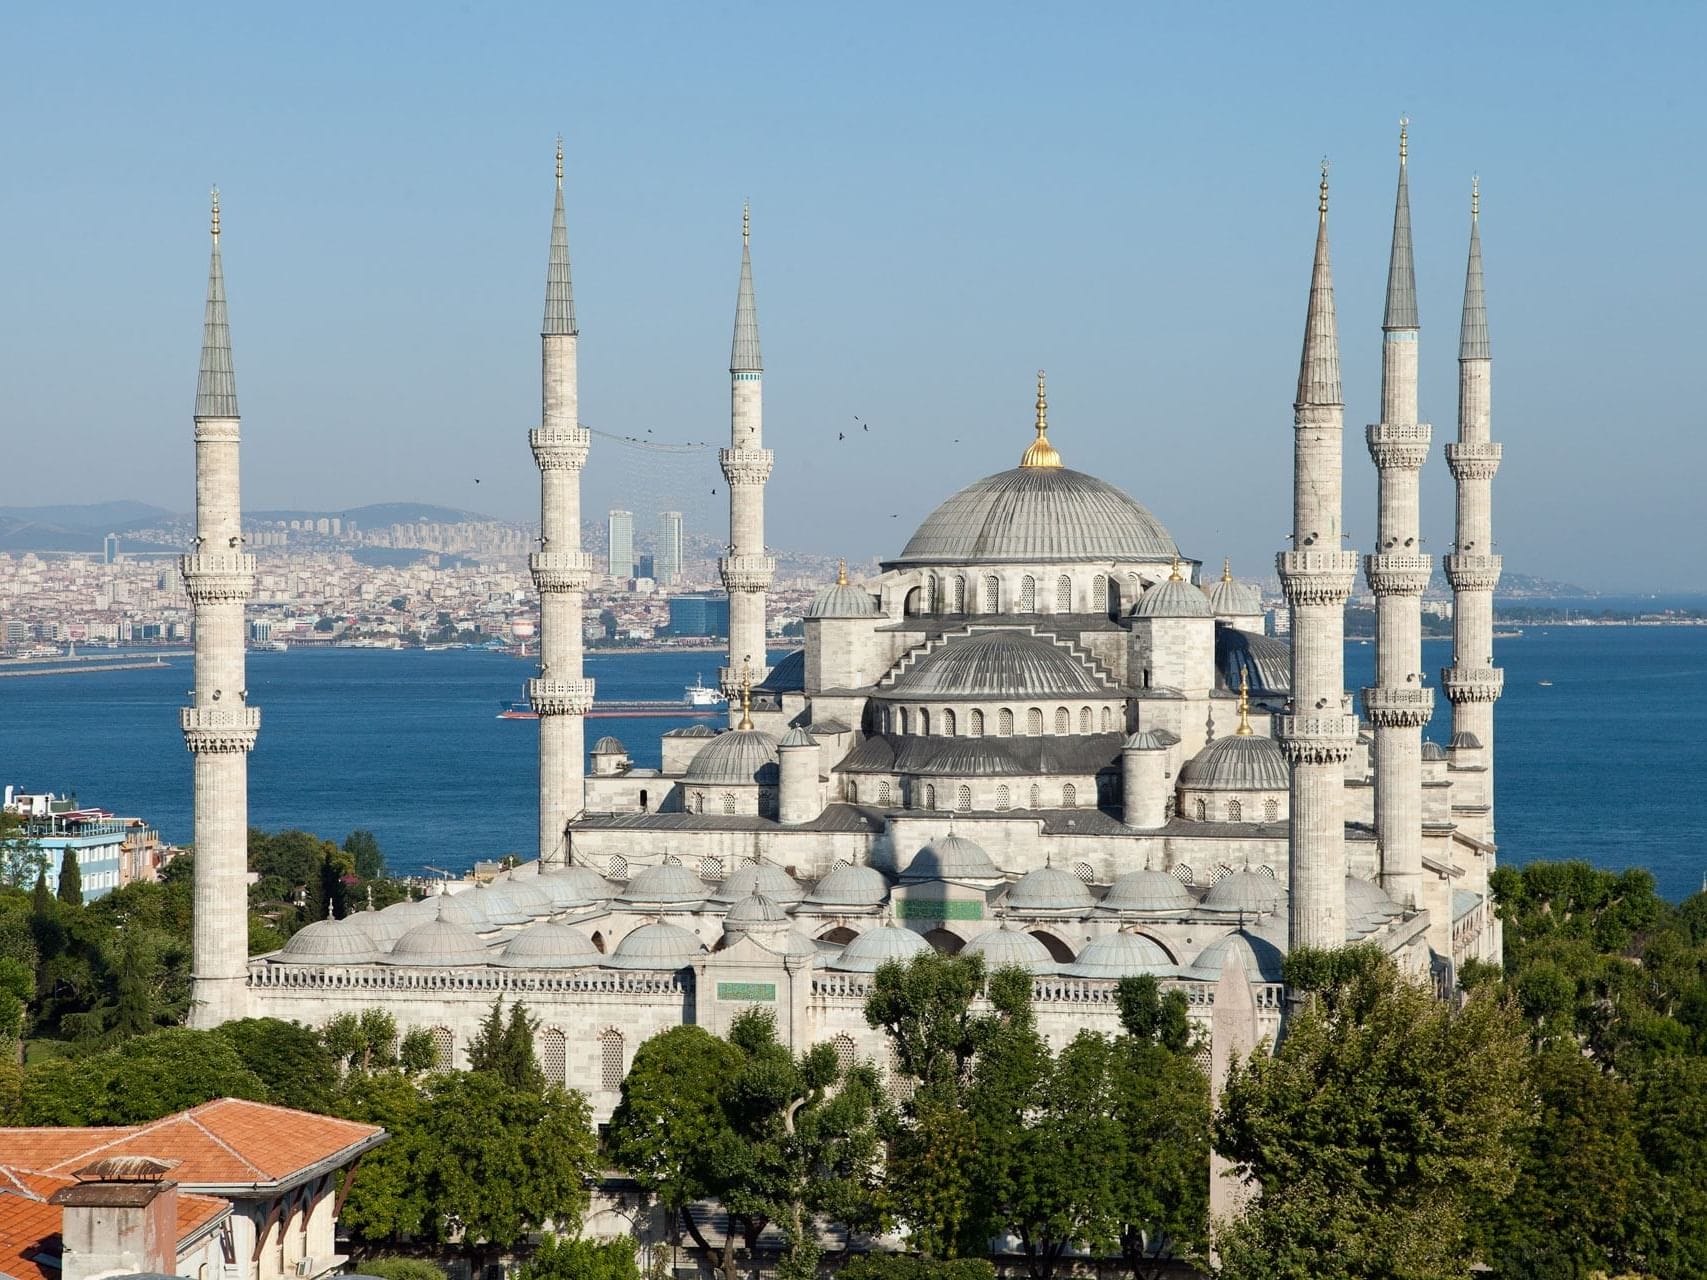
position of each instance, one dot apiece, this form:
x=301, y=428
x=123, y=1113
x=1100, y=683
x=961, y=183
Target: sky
x=946, y=198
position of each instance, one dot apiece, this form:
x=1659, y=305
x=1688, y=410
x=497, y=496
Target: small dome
x=1231, y=599
x=1367, y=907
x=386, y=926
x=950, y=858
x=1120, y=955
x=999, y=663
x=667, y=882
x=577, y=885
x=549, y=946
x=330, y=942
x=609, y=746
x=1433, y=751
x=841, y=599
x=755, y=914
x=876, y=947
x=1262, y=958
x=797, y=737
x=1237, y=762
x=1173, y=598
x=1146, y=891
x=850, y=886
x=1464, y=740
x=1002, y=948
x=773, y=882
x=1248, y=891
x=1049, y=889
x=1149, y=740
x=466, y=908
x=740, y=757
x=692, y=731
x=655, y=946
x=438, y=942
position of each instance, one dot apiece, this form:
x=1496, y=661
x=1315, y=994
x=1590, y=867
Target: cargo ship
x=697, y=702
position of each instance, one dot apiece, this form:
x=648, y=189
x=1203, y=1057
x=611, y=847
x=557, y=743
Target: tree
x=70, y=878
x=506, y=1049
x=289, y=1059
x=365, y=855
x=362, y=1042
x=1381, y=1122
x=21, y=859
x=417, y=1052
x=560, y=1258
x=142, y=1079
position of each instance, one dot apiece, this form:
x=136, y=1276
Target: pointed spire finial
x=746, y=222
x=560, y=162
x=1401, y=309
x=1475, y=197
x=1322, y=200
x=559, y=289
x=746, y=695
x=1319, y=365
x=744, y=356
x=1174, y=574
x=216, y=381
x=1404, y=130
x=1473, y=343
x=216, y=212
x=841, y=573
x=1040, y=453
x=1227, y=569
x=1244, y=730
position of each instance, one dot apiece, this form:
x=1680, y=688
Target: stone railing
x=1400, y=708
x=560, y=697
x=1472, y=572
x=746, y=466
x=220, y=729
x=747, y=573
x=561, y=570
x=1477, y=461
x=1398, y=574
x=1052, y=990
x=560, y=450
x=474, y=979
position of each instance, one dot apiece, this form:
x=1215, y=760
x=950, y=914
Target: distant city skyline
x=944, y=200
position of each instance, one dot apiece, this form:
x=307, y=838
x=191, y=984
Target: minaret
x=746, y=570
x=1318, y=733
x=561, y=570
x=1399, y=705
x=1472, y=682
x=219, y=725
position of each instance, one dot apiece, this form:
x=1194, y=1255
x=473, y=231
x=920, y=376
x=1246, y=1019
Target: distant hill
x=379, y=514
x=75, y=528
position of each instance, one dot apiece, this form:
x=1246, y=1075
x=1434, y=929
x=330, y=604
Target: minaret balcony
x=220, y=730
x=1398, y=575
x=1399, y=445
x=1407, y=707
x=747, y=573
x=561, y=570
x=1477, y=461
x=218, y=577
x=1316, y=577
x=1318, y=738
x=560, y=449
x=746, y=466
x=1472, y=573
x=1472, y=684
x=561, y=697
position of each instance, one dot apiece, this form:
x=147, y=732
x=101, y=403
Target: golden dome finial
x=746, y=695
x=1227, y=569
x=841, y=573
x=560, y=162
x=1040, y=453
x=1244, y=729
x=746, y=222
x=1174, y=575
x=216, y=213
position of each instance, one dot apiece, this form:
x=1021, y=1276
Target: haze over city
x=943, y=203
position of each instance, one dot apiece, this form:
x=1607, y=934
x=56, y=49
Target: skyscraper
x=667, y=561
x=621, y=558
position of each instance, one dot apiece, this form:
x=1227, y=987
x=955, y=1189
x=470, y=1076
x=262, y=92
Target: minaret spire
x=1473, y=341
x=560, y=694
x=1397, y=703
x=220, y=724
x=747, y=571
x=1317, y=733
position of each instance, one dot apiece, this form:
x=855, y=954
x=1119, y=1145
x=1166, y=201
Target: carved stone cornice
x=220, y=730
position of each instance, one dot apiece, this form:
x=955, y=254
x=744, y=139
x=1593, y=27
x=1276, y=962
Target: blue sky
x=945, y=199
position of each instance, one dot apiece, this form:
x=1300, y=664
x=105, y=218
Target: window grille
x=616, y=867
x=948, y=723
x=1069, y=796
x=1034, y=722
x=883, y=792
x=1036, y=796
x=444, y=1048
x=1005, y=723
x=1270, y=811
x=977, y=725
x=610, y=1060
x=847, y=1053
x=1063, y=594
x=1084, y=872
x=1028, y=594
x=711, y=868
x=1183, y=873
x=728, y=803
x=1085, y=719
x=1001, y=797
x=992, y=594
x=963, y=799
x=554, y=1055
x=1235, y=811
x=1063, y=721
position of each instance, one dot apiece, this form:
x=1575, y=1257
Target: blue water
x=1604, y=765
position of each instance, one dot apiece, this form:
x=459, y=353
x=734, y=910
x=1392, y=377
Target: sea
x=1600, y=750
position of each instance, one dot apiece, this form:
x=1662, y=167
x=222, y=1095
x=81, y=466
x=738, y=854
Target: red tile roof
x=221, y=1143
x=30, y=1226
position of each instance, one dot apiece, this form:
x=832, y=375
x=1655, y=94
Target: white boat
x=697, y=695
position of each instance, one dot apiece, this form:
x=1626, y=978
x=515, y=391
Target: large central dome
x=1034, y=513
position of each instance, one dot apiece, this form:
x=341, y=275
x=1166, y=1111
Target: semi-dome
x=656, y=946
x=1001, y=662
x=1004, y=948
x=797, y=737
x=740, y=757
x=1049, y=889
x=841, y=599
x=1262, y=959
x=877, y=947
x=1249, y=891
x=850, y=886
x=1051, y=515
x=1146, y=891
x=775, y=883
x=1173, y=598
x=548, y=946
x=1120, y=955
x=330, y=942
x=436, y=942
x=950, y=858
x=1433, y=751
x=668, y=882
x=1367, y=907
x=1237, y=762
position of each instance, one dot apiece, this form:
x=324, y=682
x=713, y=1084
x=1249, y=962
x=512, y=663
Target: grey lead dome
x=1248, y=762
x=740, y=757
x=1046, y=514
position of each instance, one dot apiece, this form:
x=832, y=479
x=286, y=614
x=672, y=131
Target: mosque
x=1035, y=736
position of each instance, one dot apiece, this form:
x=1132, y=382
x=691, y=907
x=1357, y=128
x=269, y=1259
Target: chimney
x=120, y=1217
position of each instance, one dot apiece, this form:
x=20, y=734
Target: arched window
x=616, y=867
x=911, y=602
x=610, y=1059
x=444, y=1048
x=930, y=796
x=1005, y=723
x=1202, y=811
x=1001, y=797
x=992, y=594
x=711, y=868
x=1034, y=722
x=1063, y=721
x=1182, y=873
x=1084, y=719
x=1028, y=594
x=925, y=720
x=1270, y=811
x=1036, y=796
x=1235, y=811
x=963, y=799
x=728, y=803
x=960, y=595
x=1107, y=720
x=976, y=728
x=554, y=1055
x=933, y=594
x=853, y=791
x=1099, y=593
x=903, y=719
x=1085, y=872
x=847, y=1054
x=1063, y=594
x=883, y=792
x=948, y=722
x=1069, y=796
